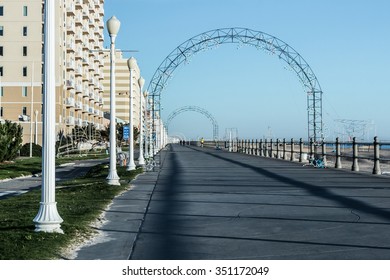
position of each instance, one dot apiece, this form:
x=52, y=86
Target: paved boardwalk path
x=211, y=204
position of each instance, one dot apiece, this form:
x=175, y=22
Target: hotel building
x=79, y=64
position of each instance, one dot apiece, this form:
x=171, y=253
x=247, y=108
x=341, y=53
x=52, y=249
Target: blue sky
x=346, y=43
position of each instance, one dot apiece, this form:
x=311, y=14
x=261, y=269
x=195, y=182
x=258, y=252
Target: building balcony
x=91, y=96
x=71, y=27
x=85, y=92
x=70, y=84
x=70, y=47
x=69, y=120
x=79, y=37
x=86, y=15
x=85, y=61
x=78, y=4
x=71, y=10
x=69, y=102
x=78, y=105
x=79, y=88
x=79, y=70
x=78, y=122
x=70, y=65
x=85, y=108
x=85, y=30
x=78, y=20
x=90, y=110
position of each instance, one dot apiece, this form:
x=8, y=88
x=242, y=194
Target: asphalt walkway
x=211, y=204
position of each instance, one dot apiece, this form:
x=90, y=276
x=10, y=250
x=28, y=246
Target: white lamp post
x=150, y=127
x=146, y=124
x=113, y=25
x=36, y=128
x=141, y=159
x=48, y=219
x=131, y=64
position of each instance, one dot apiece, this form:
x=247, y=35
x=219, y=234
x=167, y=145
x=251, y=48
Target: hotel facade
x=80, y=59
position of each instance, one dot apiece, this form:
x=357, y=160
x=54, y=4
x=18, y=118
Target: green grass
x=30, y=166
x=79, y=202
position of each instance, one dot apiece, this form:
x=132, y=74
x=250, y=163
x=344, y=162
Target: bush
x=10, y=140
x=36, y=150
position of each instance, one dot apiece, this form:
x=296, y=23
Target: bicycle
x=316, y=162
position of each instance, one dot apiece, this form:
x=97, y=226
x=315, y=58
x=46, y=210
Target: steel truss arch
x=259, y=40
x=198, y=110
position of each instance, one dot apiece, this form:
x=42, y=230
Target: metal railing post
x=261, y=148
x=355, y=162
x=300, y=150
x=271, y=148
x=338, y=154
x=284, y=149
x=323, y=146
x=266, y=148
x=277, y=148
x=377, y=168
x=292, y=150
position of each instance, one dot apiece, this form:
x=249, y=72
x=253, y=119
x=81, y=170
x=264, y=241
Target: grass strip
x=79, y=202
x=30, y=166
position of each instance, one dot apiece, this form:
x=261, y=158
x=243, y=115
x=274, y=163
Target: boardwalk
x=211, y=204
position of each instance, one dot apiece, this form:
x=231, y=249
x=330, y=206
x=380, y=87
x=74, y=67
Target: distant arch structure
x=259, y=40
x=198, y=110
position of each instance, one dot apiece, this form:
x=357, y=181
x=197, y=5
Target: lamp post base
x=131, y=166
x=113, y=179
x=48, y=219
x=141, y=161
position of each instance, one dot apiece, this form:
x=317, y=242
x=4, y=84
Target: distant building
x=79, y=64
x=122, y=76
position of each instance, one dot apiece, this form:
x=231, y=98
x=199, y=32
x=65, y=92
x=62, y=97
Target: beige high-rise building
x=122, y=76
x=79, y=64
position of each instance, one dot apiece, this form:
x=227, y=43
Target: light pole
x=36, y=128
x=48, y=219
x=113, y=25
x=146, y=124
x=141, y=159
x=131, y=64
x=150, y=101
x=31, y=107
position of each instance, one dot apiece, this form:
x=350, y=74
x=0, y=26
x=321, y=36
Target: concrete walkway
x=211, y=204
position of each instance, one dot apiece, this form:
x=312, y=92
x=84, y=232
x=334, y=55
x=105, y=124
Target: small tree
x=10, y=140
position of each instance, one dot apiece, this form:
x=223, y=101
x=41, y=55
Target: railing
x=371, y=157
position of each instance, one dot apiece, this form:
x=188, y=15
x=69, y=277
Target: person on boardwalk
x=202, y=142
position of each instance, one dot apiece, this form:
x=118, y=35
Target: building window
x=24, y=50
x=25, y=10
x=24, y=31
x=1, y=10
x=25, y=71
x=24, y=91
x=1, y=51
x=1, y=112
x=24, y=111
x=1, y=71
x=1, y=91
x=1, y=30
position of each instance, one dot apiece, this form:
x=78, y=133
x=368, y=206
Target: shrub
x=36, y=150
x=10, y=140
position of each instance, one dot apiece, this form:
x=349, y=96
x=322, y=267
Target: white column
x=131, y=63
x=146, y=125
x=48, y=219
x=141, y=159
x=113, y=27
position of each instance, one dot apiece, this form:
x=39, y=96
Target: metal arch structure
x=260, y=40
x=198, y=110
